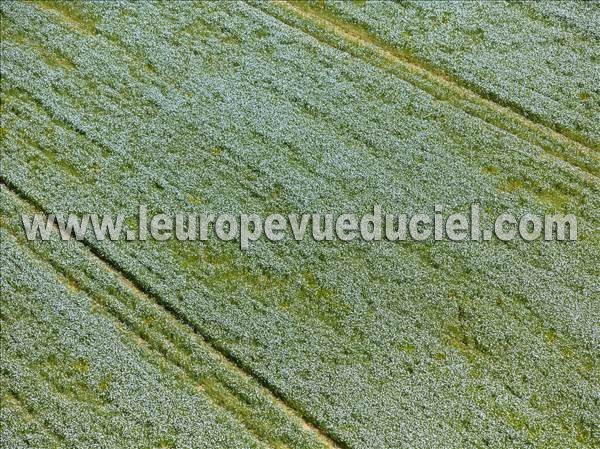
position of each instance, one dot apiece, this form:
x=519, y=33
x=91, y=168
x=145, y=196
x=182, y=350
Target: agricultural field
x=280, y=107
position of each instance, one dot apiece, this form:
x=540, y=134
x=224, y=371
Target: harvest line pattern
x=446, y=89
x=221, y=354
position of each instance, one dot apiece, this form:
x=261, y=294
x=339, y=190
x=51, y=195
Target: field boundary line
x=221, y=354
x=423, y=78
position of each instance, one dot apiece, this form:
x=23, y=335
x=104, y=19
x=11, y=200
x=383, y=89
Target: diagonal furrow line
x=149, y=340
x=29, y=412
x=229, y=360
x=444, y=88
x=414, y=64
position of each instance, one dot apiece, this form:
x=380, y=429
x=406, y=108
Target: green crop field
x=284, y=107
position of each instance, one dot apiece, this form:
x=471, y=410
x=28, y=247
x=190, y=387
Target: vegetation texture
x=267, y=107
